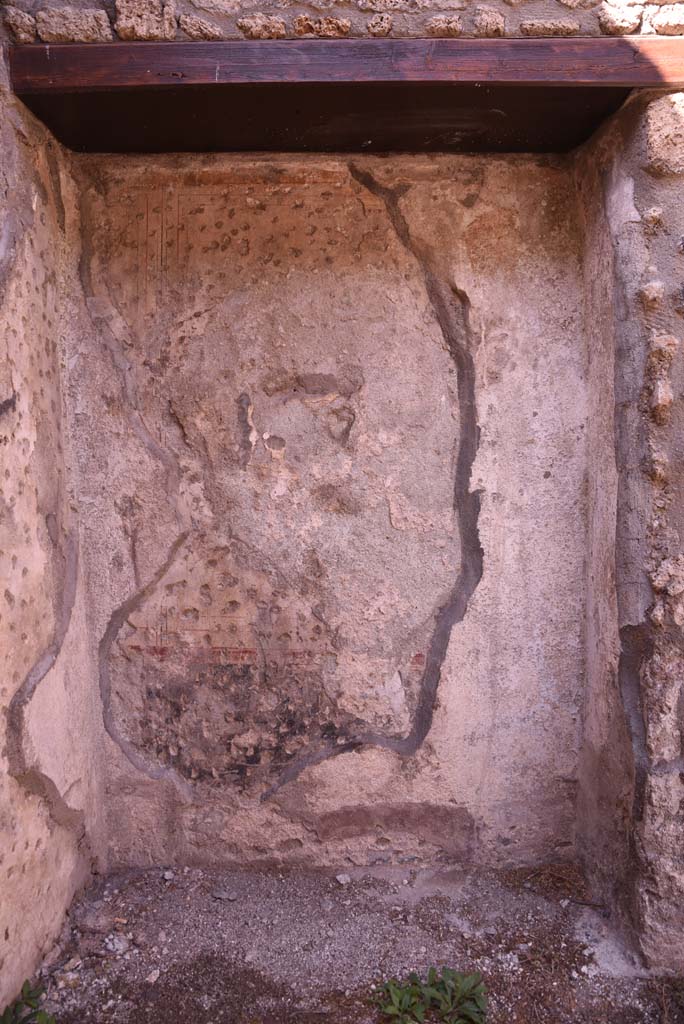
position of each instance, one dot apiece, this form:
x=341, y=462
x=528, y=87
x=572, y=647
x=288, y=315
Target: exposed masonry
x=451, y=308
x=31, y=20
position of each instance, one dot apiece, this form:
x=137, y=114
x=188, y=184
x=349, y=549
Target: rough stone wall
x=633, y=827
x=48, y=769
x=639, y=164
x=88, y=21
x=332, y=434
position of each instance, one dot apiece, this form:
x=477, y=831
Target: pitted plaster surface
x=48, y=768
x=306, y=375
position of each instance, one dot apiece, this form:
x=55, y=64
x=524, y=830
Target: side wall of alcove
x=630, y=818
x=50, y=769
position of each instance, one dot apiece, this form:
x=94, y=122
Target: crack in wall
x=33, y=781
x=111, y=323
x=116, y=621
x=451, y=309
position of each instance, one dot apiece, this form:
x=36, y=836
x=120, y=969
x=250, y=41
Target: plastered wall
x=49, y=772
x=314, y=485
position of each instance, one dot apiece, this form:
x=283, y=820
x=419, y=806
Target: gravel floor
x=200, y=946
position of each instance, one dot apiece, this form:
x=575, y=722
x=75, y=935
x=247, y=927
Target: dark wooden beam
x=451, y=95
x=629, y=63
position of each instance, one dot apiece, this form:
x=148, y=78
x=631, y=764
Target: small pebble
x=224, y=894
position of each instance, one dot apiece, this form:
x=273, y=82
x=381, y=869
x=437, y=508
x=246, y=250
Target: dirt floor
x=265, y=947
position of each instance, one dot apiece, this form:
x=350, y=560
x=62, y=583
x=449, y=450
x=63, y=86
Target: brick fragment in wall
x=145, y=19
x=620, y=19
x=262, y=26
x=325, y=28
x=444, y=26
x=21, y=25
x=73, y=25
x=669, y=20
x=664, y=129
x=488, y=22
x=199, y=28
x=663, y=678
x=667, y=578
x=658, y=387
x=549, y=27
x=651, y=294
x=380, y=25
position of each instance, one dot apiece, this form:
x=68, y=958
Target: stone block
x=145, y=19
x=73, y=25
x=21, y=25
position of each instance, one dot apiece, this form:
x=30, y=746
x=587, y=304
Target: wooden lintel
x=634, y=62
x=371, y=95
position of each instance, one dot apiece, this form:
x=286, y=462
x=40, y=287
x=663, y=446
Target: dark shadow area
x=343, y=96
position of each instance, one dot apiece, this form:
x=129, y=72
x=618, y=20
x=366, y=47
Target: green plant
x=25, y=1010
x=405, y=1002
x=450, y=997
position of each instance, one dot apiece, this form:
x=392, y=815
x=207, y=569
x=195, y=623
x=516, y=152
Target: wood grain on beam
x=617, y=62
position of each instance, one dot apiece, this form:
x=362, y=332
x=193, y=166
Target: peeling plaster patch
x=243, y=697
x=237, y=709
x=248, y=433
x=451, y=307
x=620, y=207
x=34, y=781
x=8, y=404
